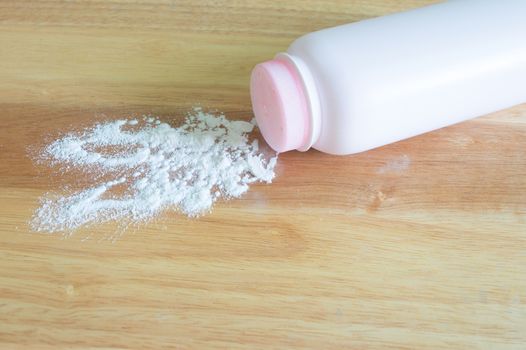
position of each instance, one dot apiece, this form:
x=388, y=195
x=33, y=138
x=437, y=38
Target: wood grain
x=416, y=245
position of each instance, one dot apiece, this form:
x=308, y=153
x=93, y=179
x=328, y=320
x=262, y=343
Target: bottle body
x=390, y=78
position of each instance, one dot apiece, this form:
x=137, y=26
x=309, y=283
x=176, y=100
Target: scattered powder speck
x=396, y=165
x=141, y=168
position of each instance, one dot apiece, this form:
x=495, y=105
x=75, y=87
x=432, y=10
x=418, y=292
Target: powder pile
x=142, y=167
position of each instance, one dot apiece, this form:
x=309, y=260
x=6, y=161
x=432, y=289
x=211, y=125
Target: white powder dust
x=140, y=168
x=396, y=165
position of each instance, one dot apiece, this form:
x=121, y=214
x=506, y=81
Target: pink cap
x=280, y=105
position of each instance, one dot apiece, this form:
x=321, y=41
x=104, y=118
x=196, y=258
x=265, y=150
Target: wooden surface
x=417, y=245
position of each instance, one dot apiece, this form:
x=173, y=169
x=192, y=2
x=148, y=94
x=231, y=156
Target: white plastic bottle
x=362, y=85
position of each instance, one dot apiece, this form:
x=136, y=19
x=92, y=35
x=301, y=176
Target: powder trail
x=185, y=168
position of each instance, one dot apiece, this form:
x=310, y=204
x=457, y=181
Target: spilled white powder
x=143, y=167
x=396, y=165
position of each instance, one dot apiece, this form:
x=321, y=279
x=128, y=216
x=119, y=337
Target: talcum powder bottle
x=362, y=85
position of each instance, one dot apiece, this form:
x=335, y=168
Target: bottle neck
x=285, y=103
x=312, y=98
